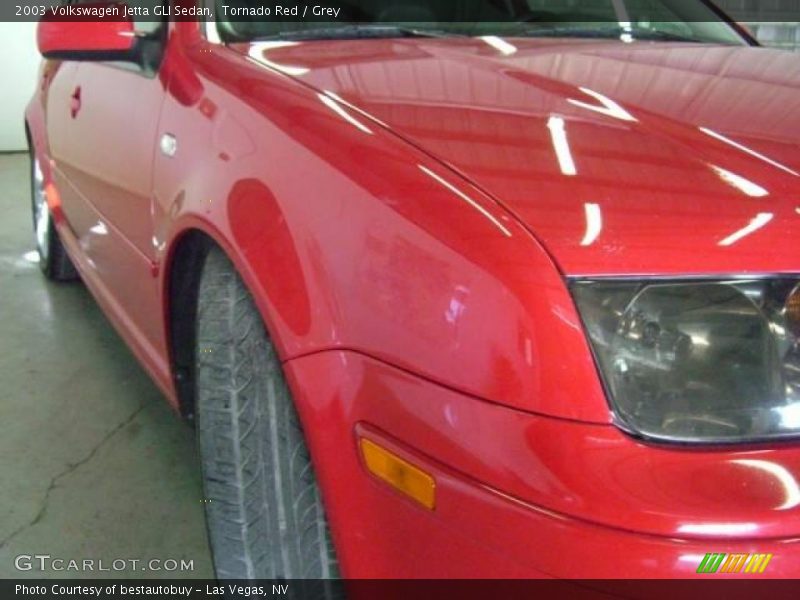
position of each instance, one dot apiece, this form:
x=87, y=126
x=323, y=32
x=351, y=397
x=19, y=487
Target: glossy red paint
x=404, y=213
x=652, y=131
x=531, y=496
x=56, y=36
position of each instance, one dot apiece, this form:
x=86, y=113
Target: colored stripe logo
x=734, y=563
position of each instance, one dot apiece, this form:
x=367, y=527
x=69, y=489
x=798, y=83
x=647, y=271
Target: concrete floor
x=93, y=463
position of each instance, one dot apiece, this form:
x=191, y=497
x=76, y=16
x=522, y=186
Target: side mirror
x=101, y=39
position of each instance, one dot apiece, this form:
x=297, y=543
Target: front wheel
x=53, y=259
x=263, y=508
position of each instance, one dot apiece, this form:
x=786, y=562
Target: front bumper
x=520, y=495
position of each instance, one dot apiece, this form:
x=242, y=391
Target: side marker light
x=400, y=474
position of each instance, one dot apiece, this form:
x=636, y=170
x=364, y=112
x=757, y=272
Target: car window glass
x=654, y=20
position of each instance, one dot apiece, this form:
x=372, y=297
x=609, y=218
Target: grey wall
x=20, y=64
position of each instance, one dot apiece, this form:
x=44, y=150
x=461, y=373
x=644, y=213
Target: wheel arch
x=36, y=135
x=182, y=265
x=182, y=273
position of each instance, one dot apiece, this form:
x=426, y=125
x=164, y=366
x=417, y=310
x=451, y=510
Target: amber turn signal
x=399, y=473
x=53, y=197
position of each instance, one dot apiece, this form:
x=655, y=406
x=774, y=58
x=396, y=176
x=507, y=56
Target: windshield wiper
x=359, y=31
x=637, y=33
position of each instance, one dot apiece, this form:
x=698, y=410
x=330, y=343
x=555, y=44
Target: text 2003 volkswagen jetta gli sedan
x=528, y=281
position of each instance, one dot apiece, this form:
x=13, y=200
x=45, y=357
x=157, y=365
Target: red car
x=506, y=295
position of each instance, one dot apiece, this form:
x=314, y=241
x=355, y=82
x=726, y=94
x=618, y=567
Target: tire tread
x=265, y=516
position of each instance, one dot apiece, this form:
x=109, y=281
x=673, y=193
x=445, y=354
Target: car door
x=103, y=150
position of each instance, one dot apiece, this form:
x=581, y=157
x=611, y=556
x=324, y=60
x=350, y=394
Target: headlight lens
x=698, y=361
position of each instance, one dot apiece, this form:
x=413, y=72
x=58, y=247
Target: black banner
x=706, y=589
x=416, y=11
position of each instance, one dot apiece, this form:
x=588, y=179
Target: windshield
x=626, y=20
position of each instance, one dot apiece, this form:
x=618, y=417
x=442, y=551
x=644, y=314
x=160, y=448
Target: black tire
x=53, y=259
x=263, y=508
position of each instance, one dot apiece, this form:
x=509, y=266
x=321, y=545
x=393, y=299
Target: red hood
x=674, y=158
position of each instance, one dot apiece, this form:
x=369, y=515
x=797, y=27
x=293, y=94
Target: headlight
x=698, y=361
